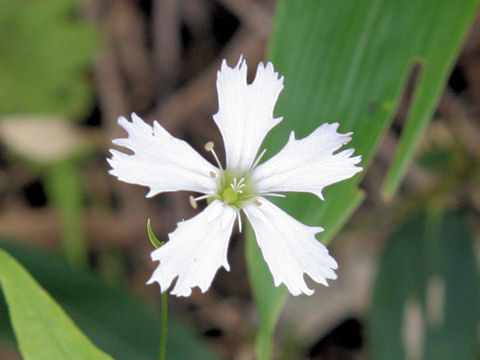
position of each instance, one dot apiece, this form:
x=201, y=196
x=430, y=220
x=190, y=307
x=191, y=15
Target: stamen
x=212, y=174
x=209, y=147
x=258, y=159
x=274, y=195
x=203, y=197
x=257, y=202
x=238, y=186
x=239, y=217
x=193, y=202
x=235, y=187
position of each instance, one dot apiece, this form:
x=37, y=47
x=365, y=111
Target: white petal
x=290, y=248
x=160, y=161
x=245, y=111
x=195, y=250
x=308, y=164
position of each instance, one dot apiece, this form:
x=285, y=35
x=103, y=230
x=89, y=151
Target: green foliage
x=65, y=191
x=348, y=62
x=430, y=260
x=44, y=53
x=42, y=328
x=436, y=160
x=122, y=325
x=269, y=299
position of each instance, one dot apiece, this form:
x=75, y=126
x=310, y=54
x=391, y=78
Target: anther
x=257, y=202
x=193, y=202
x=213, y=175
x=209, y=146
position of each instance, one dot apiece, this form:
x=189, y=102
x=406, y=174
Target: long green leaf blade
x=348, y=62
x=439, y=53
x=43, y=329
x=122, y=325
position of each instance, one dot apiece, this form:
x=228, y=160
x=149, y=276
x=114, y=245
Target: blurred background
x=69, y=68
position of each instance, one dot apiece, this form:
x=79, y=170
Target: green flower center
x=235, y=189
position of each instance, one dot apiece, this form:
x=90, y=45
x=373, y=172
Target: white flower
x=198, y=246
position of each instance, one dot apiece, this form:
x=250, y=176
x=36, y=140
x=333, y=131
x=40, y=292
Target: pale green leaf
x=43, y=330
x=123, y=325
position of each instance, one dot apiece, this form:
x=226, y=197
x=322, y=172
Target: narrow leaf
x=450, y=25
x=42, y=328
x=151, y=235
x=124, y=326
x=348, y=62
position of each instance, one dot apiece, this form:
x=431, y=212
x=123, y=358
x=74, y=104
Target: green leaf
x=45, y=51
x=152, y=237
x=42, y=328
x=429, y=260
x=348, y=62
x=438, y=48
x=120, y=324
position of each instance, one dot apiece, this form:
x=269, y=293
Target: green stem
x=164, y=316
x=65, y=192
x=164, y=326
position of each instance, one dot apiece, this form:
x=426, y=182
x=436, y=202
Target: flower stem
x=164, y=326
x=65, y=192
x=164, y=312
